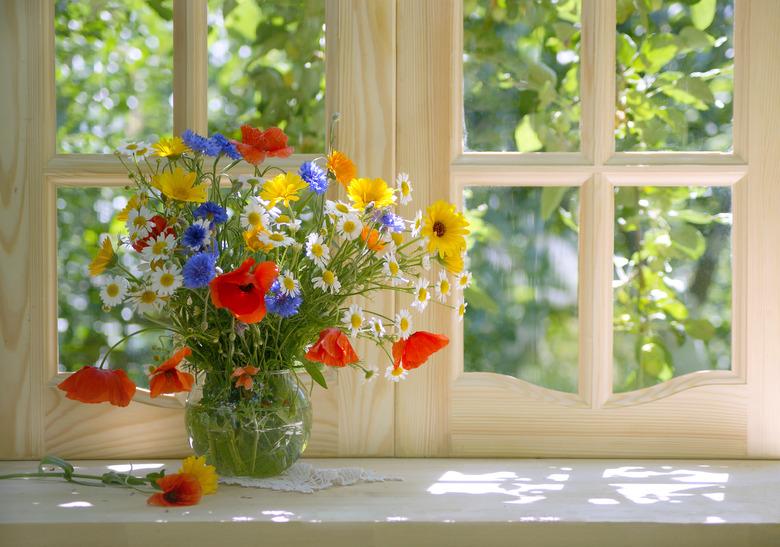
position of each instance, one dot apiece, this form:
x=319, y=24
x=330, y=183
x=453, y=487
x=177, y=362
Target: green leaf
x=689, y=241
x=694, y=217
x=551, y=199
x=703, y=13
x=652, y=358
x=626, y=49
x=689, y=90
x=56, y=461
x=479, y=299
x=315, y=373
x=695, y=39
x=625, y=8
x=526, y=138
x=701, y=329
x=656, y=51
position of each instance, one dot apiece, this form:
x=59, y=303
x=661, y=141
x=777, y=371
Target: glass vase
x=259, y=434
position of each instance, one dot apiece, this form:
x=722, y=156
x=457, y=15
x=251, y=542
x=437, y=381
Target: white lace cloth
x=307, y=479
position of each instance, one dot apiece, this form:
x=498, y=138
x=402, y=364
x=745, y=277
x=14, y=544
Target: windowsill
x=440, y=502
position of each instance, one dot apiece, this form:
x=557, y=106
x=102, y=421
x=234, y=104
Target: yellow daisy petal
x=283, y=187
x=179, y=186
x=206, y=474
x=365, y=191
x=102, y=259
x=170, y=147
x=445, y=229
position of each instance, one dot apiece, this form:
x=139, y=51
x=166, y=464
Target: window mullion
x=190, y=68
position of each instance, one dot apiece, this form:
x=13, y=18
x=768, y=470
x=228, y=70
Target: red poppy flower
x=244, y=375
x=96, y=385
x=243, y=292
x=371, y=237
x=333, y=349
x=160, y=226
x=177, y=489
x=415, y=350
x=168, y=379
x=256, y=145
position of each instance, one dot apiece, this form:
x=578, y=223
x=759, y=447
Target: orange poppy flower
x=244, y=375
x=97, y=385
x=243, y=292
x=341, y=167
x=415, y=350
x=371, y=237
x=168, y=379
x=333, y=349
x=256, y=145
x=177, y=489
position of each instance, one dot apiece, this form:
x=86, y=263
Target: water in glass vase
x=259, y=435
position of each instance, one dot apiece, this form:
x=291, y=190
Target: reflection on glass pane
x=675, y=72
x=672, y=286
x=267, y=67
x=522, y=305
x=521, y=63
x=85, y=330
x=114, y=72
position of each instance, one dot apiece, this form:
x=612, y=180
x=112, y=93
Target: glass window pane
x=85, y=330
x=114, y=73
x=672, y=286
x=267, y=67
x=675, y=72
x=521, y=63
x=522, y=305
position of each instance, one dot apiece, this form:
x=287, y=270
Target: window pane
x=114, y=73
x=522, y=305
x=675, y=72
x=672, y=286
x=267, y=67
x=521, y=62
x=86, y=331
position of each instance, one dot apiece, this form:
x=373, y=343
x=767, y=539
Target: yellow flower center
x=394, y=269
x=276, y=236
x=328, y=277
x=398, y=371
x=463, y=281
x=461, y=309
x=148, y=297
x=349, y=226
x=112, y=290
x=159, y=247
x=166, y=279
x=316, y=250
x=422, y=295
x=289, y=283
x=253, y=218
x=398, y=237
x=131, y=146
x=341, y=208
x=282, y=219
x=404, y=188
x=356, y=321
x=444, y=286
x=139, y=221
x=404, y=324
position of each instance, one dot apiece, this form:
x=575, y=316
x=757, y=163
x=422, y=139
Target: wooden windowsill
x=440, y=502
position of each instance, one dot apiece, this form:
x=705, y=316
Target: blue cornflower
x=199, y=270
x=211, y=211
x=281, y=304
x=197, y=235
x=225, y=146
x=195, y=142
x=314, y=176
x=389, y=220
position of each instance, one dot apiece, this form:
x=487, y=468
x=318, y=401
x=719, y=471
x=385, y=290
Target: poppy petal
x=177, y=489
x=415, y=350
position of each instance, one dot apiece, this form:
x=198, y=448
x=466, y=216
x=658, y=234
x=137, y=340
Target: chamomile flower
x=254, y=215
x=328, y=282
x=166, y=279
x=370, y=372
x=463, y=280
x=417, y=224
x=350, y=227
x=403, y=324
x=404, y=188
x=146, y=300
x=461, y=308
x=137, y=149
x=275, y=239
x=292, y=224
x=159, y=248
x=338, y=209
x=288, y=285
x=354, y=319
x=139, y=222
x=316, y=250
x=443, y=287
x=396, y=374
x=421, y=295
x=114, y=291
x=392, y=269
x=376, y=327
x=426, y=262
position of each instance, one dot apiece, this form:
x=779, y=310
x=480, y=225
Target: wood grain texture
x=190, y=66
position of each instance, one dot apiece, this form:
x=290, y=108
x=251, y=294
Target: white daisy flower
x=288, y=285
x=146, y=300
x=421, y=295
x=403, y=324
x=292, y=224
x=396, y=374
x=376, y=327
x=463, y=280
x=114, y=291
x=158, y=248
x=443, y=287
x=350, y=227
x=316, y=250
x=137, y=149
x=275, y=239
x=370, y=373
x=338, y=208
x=417, y=224
x=461, y=307
x=166, y=279
x=255, y=215
x=426, y=262
x=354, y=319
x=392, y=270
x=404, y=188
x=139, y=222
x=328, y=282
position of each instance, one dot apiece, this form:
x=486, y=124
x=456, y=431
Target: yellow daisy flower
x=341, y=167
x=453, y=263
x=252, y=239
x=171, y=147
x=206, y=474
x=284, y=188
x=134, y=203
x=103, y=258
x=445, y=229
x=364, y=191
x=179, y=186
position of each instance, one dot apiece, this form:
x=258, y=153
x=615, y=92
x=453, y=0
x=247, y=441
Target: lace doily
x=307, y=479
